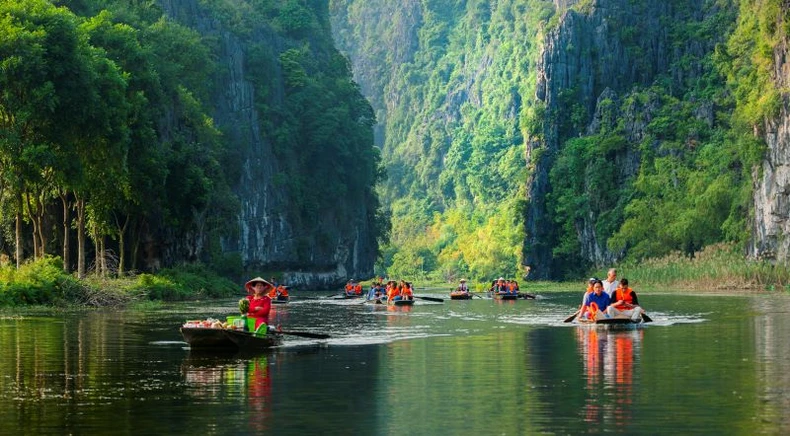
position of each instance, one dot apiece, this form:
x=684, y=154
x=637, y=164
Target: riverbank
x=44, y=282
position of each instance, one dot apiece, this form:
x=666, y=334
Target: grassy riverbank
x=44, y=282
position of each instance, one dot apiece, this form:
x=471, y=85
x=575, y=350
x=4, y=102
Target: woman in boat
x=462, y=287
x=260, y=302
x=596, y=301
x=407, y=293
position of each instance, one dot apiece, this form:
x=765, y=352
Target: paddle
x=646, y=318
x=303, y=334
x=572, y=317
x=333, y=295
x=478, y=296
x=438, y=300
x=526, y=296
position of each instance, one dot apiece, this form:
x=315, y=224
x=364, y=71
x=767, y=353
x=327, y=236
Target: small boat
x=460, y=295
x=401, y=302
x=281, y=299
x=624, y=317
x=220, y=338
x=351, y=295
x=504, y=296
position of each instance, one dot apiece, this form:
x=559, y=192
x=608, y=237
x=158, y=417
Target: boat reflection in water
x=233, y=378
x=609, y=357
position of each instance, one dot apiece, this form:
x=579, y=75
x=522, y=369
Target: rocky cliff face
x=268, y=238
x=611, y=47
x=771, y=230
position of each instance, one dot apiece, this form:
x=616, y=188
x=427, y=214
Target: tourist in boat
x=596, y=301
x=625, y=299
x=462, y=287
x=358, y=289
x=407, y=293
x=394, y=293
x=260, y=302
x=349, y=287
x=610, y=284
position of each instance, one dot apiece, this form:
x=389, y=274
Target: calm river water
x=706, y=365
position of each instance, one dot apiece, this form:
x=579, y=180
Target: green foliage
x=40, y=282
x=187, y=281
x=453, y=91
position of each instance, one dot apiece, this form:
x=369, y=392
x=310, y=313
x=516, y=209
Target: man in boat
x=611, y=283
x=594, y=302
x=625, y=302
x=260, y=302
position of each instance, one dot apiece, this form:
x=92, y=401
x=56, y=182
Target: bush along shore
x=43, y=282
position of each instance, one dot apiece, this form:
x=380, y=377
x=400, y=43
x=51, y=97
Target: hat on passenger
x=252, y=283
x=592, y=279
x=463, y=280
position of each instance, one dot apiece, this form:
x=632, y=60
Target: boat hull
x=214, y=338
x=499, y=296
x=281, y=300
x=460, y=296
x=402, y=302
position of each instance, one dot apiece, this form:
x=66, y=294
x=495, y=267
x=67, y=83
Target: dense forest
x=133, y=137
x=564, y=136
x=511, y=136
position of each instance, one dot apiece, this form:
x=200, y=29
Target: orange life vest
x=624, y=294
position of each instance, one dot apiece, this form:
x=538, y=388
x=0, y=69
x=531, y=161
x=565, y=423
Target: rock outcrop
x=268, y=238
x=771, y=225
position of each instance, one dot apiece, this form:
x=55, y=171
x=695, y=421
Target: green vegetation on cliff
x=107, y=142
x=653, y=141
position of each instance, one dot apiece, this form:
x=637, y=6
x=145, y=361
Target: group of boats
x=235, y=334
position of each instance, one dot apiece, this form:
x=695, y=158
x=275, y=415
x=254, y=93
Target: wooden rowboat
x=401, y=302
x=218, y=338
x=455, y=295
x=625, y=317
x=504, y=296
x=281, y=299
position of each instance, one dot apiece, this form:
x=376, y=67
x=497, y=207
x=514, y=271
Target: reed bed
x=716, y=268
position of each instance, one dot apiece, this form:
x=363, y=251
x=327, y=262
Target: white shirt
x=610, y=287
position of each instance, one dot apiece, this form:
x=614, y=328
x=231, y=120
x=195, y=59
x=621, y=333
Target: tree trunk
x=101, y=253
x=122, y=243
x=18, y=235
x=42, y=237
x=66, y=225
x=34, y=223
x=80, y=238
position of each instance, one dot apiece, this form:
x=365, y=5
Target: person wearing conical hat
x=260, y=302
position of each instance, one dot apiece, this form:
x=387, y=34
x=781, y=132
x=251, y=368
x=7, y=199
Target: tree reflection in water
x=608, y=357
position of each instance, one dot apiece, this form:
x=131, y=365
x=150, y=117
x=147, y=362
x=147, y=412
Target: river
x=705, y=365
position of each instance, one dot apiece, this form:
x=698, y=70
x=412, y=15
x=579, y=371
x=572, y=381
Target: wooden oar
x=304, y=334
x=478, y=296
x=572, y=317
x=438, y=300
x=646, y=318
x=333, y=295
x=526, y=296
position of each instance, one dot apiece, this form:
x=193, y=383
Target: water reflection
x=608, y=357
x=245, y=378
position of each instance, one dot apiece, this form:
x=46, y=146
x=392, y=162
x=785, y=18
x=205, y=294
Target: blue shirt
x=602, y=300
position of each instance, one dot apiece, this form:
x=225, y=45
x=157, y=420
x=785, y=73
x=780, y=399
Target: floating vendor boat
x=212, y=334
